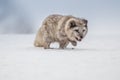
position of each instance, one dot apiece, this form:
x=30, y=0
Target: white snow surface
x=97, y=57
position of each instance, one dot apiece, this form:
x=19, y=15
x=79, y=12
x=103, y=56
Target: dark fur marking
x=72, y=24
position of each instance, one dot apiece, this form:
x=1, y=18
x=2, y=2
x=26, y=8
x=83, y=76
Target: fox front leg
x=63, y=44
x=74, y=43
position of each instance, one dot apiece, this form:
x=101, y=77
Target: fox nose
x=81, y=37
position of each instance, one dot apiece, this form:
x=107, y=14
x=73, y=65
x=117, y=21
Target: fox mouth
x=78, y=39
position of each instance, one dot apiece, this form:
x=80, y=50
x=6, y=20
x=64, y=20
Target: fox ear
x=72, y=24
x=85, y=21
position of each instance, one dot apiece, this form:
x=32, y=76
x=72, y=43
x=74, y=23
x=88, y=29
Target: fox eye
x=83, y=30
x=77, y=31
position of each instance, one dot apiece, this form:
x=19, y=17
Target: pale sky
x=102, y=15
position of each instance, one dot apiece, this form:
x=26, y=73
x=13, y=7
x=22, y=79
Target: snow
x=97, y=57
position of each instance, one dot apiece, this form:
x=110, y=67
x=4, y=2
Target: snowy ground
x=97, y=57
